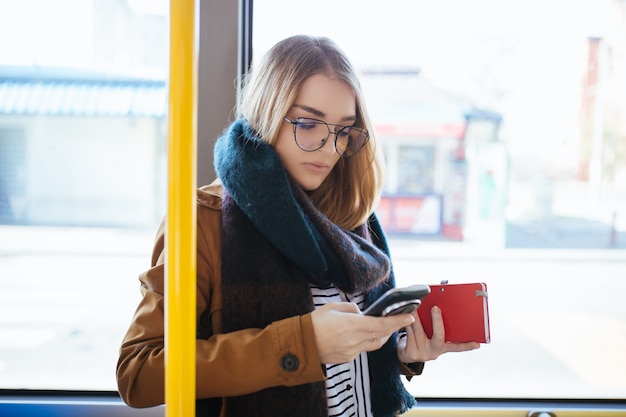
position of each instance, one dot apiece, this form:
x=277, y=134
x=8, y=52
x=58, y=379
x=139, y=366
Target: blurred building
x=82, y=116
x=80, y=148
x=440, y=149
x=602, y=157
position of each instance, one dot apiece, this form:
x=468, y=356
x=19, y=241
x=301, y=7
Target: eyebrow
x=321, y=114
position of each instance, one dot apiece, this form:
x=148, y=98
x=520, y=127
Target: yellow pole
x=180, y=285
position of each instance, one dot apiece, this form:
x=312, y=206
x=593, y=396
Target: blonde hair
x=351, y=191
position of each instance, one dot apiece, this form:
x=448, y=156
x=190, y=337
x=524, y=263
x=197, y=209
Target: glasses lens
x=310, y=134
x=350, y=140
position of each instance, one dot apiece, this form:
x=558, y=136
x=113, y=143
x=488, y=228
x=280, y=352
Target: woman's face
x=325, y=99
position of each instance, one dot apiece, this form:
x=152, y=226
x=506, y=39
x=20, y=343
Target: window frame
x=216, y=99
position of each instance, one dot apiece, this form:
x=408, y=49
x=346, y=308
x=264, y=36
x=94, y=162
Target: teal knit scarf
x=274, y=244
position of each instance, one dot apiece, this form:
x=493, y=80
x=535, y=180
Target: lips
x=317, y=166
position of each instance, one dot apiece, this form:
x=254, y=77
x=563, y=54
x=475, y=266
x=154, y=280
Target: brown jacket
x=226, y=364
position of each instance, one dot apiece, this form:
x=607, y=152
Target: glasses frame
x=295, y=123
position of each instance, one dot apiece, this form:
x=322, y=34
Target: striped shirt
x=347, y=384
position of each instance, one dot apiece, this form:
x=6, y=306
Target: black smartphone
x=398, y=301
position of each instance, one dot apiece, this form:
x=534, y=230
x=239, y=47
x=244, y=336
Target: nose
x=333, y=142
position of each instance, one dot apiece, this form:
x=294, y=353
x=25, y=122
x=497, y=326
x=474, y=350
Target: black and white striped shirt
x=347, y=384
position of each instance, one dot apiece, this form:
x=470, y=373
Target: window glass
x=503, y=129
x=82, y=187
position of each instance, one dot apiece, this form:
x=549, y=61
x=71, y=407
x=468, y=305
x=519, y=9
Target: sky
x=525, y=59
x=522, y=58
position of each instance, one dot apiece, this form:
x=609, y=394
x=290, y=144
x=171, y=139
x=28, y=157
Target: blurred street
x=558, y=317
x=558, y=321
x=564, y=233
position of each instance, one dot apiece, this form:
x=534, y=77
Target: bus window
x=82, y=183
x=504, y=141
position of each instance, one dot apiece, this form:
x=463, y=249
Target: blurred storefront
x=440, y=150
x=80, y=148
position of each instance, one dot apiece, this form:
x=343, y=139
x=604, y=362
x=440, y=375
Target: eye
x=307, y=124
x=343, y=133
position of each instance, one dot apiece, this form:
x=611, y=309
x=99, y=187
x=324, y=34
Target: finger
x=396, y=322
x=461, y=347
x=372, y=337
x=439, y=331
x=379, y=329
x=416, y=332
x=372, y=341
x=412, y=341
x=438, y=337
x=417, y=324
x=417, y=345
x=383, y=326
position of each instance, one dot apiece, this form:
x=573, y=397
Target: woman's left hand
x=417, y=347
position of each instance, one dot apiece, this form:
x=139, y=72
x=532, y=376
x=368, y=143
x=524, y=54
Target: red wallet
x=464, y=309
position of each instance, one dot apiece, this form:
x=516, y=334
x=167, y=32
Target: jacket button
x=289, y=362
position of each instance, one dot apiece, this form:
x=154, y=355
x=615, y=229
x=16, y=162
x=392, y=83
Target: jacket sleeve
x=242, y=362
x=409, y=370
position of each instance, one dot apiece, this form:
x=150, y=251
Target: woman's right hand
x=342, y=331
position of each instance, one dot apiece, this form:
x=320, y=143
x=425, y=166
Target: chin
x=309, y=185
x=309, y=182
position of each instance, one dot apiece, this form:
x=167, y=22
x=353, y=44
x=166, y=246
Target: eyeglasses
x=311, y=134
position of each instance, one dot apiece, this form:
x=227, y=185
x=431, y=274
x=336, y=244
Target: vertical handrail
x=180, y=284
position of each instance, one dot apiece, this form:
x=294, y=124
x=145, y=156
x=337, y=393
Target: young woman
x=289, y=253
